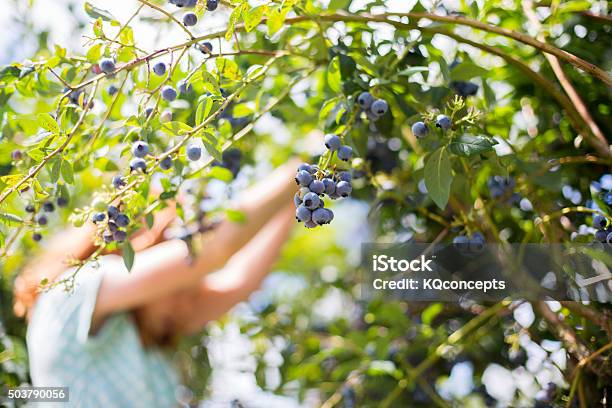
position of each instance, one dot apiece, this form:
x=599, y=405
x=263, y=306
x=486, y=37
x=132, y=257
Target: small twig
x=66, y=84
x=170, y=16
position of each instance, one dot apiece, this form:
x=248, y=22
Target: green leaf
x=228, y=68
x=128, y=255
x=466, y=71
x=47, y=122
x=205, y=105
x=253, y=17
x=439, y=176
x=54, y=173
x=235, y=215
x=429, y=314
x=149, y=219
x=210, y=144
x=67, y=172
x=94, y=53
x=334, y=77
x=276, y=18
x=210, y=83
x=408, y=72
x=468, y=145
x=220, y=173
x=10, y=219
x=95, y=12
x=231, y=26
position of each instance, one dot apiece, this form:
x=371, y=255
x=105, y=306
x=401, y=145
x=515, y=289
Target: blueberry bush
x=464, y=122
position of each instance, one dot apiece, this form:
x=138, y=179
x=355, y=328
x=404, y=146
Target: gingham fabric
x=108, y=369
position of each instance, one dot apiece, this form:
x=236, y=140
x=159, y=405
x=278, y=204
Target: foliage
x=303, y=64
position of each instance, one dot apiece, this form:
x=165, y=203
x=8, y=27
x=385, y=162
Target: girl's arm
x=167, y=268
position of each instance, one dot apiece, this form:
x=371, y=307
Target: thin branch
x=169, y=15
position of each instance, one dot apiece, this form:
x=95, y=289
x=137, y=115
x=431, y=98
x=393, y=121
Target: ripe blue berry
x=140, y=149
x=36, y=237
x=159, y=68
x=345, y=153
x=112, y=90
x=168, y=93
x=443, y=122
x=166, y=163
x=297, y=200
x=118, y=182
x=609, y=238
x=112, y=212
x=461, y=242
x=303, y=214
x=120, y=236
x=48, y=206
x=303, y=178
x=332, y=142
x=122, y=220
x=98, y=217
x=310, y=224
x=419, y=129
x=330, y=186
x=16, y=155
x=364, y=100
x=190, y=19
x=606, y=182
x=194, y=152
x=148, y=112
x=345, y=176
x=62, y=201
x=304, y=166
x=476, y=243
x=599, y=222
x=316, y=186
x=108, y=237
x=205, y=47
x=601, y=235
x=184, y=87
x=42, y=219
x=138, y=164
x=30, y=208
x=311, y=201
x=322, y=216
x=112, y=227
x=379, y=107
x=344, y=188
x=107, y=65
x=211, y=5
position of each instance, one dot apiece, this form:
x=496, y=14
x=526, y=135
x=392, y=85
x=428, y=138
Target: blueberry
x=112, y=212
x=443, y=122
x=48, y=206
x=118, y=182
x=30, y=208
x=332, y=142
x=345, y=176
x=606, y=182
x=419, y=129
x=379, y=107
x=316, y=186
x=330, y=186
x=526, y=205
x=194, y=152
x=305, y=167
x=313, y=169
x=190, y=19
x=180, y=3
x=159, y=68
x=476, y=243
x=344, y=188
x=168, y=93
x=140, y=149
x=122, y=220
x=601, y=235
x=303, y=178
x=112, y=227
x=112, y=90
x=365, y=100
x=98, y=217
x=42, y=219
x=16, y=155
x=166, y=163
x=461, y=242
x=211, y=5
x=138, y=164
x=192, y=3
x=107, y=65
x=120, y=236
x=165, y=116
x=36, y=237
x=303, y=214
x=607, y=199
x=184, y=87
x=310, y=224
x=311, y=201
x=345, y=153
x=609, y=238
x=297, y=200
x=148, y=112
x=322, y=216
x=108, y=237
x=205, y=47
x=599, y=221
x=464, y=89
x=62, y=201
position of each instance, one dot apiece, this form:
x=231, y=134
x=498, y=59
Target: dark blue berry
x=118, y=182
x=122, y=220
x=138, y=164
x=166, y=163
x=303, y=214
x=364, y=100
x=345, y=153
x=30, y=208
x=36, y=237
x=119, y=235
x=48, y=206
x=190, y=19
x=42, y=219
x=98, y=217
x=332, y=142
x=112, y=212
x=140, y=149
x=159, y=68
x=62, y=201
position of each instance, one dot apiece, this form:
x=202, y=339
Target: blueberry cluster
x=464, y=89
x=40, y=214
x=373, y=108
x=469, y=245
x=314, y=185
x=190, y=18
x=115, y=221
x=420, y=129
x=503, y=187
x=604, y=229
